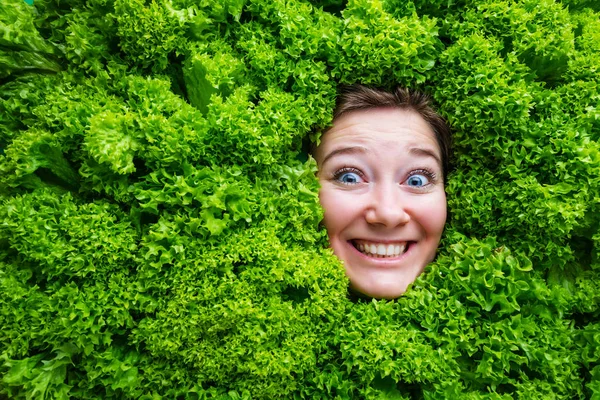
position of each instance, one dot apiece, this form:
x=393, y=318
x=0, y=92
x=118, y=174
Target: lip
x=388, y=261
x=384, y=241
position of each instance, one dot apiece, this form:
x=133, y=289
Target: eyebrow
x=420, y=151
x=417, y=151
x=345, y=150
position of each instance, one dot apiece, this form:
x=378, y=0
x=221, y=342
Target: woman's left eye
x=417, y=180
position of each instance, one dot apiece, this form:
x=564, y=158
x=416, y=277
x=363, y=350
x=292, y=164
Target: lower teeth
x=380, y=256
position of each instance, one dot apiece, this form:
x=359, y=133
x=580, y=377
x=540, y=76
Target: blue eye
x=417, y=180
x=348, y=177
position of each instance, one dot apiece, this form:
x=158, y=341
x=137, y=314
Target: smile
x=380, y=250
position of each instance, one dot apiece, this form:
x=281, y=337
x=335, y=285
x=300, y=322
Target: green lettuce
x=160, y=226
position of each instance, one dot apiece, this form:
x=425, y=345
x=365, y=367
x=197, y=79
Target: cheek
x=338, y=209
x=432, y=214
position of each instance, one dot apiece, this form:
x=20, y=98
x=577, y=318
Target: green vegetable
x=160, y=228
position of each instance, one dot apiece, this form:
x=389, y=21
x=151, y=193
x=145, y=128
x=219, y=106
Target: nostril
x=388, y=216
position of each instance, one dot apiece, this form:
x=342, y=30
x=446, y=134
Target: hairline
x=358, y=97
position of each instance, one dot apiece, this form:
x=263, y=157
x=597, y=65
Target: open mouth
x=380, y=250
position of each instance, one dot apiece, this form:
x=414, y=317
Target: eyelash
x=337, y=174
x=429, y=174
x=432, y=176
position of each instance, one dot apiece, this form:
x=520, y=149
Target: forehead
x=386, y=128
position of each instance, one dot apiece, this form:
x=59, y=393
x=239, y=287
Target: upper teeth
x=381, y=249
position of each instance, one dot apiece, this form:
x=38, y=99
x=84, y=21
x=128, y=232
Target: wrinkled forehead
x=383, y=126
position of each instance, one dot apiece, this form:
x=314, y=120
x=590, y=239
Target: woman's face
x=383, y=195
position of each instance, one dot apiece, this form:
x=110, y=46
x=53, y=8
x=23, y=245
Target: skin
x=381, y=183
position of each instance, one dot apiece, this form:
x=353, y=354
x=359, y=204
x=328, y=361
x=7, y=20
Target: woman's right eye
x=348, y=177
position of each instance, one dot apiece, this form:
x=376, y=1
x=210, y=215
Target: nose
x=386, y=206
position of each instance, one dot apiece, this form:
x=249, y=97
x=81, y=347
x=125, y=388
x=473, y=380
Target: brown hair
x=359, y=97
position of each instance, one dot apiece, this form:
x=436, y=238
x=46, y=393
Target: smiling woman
x=382, y=168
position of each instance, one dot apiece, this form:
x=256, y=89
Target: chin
x=387, y=282
x=380, y=291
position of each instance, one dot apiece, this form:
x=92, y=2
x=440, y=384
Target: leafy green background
x=160, y=226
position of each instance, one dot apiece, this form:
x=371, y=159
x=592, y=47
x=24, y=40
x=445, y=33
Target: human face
x=383, y=195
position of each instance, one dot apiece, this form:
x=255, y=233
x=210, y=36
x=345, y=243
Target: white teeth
x=381, y=250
